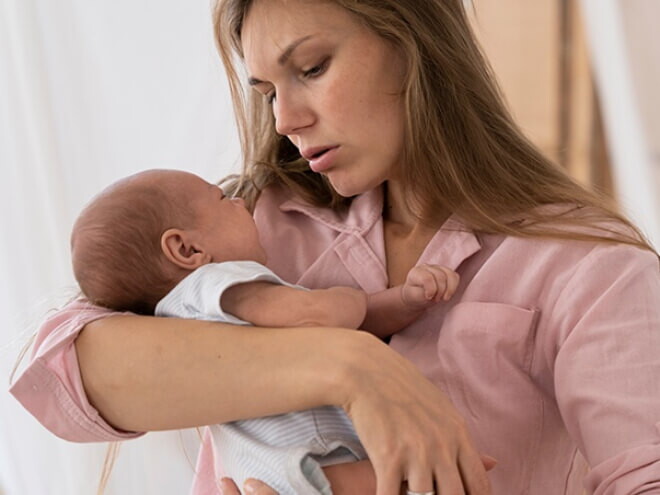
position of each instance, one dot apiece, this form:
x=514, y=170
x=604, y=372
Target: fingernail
x=250, y=487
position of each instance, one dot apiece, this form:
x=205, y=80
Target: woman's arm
x=145, y=373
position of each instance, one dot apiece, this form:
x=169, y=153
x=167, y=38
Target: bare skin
x=357, y=478
x=337, y=88
x=125, y=360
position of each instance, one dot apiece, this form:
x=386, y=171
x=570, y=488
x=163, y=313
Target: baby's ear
x=181, y=249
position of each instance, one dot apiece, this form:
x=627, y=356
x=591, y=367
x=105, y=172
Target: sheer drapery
x=90, y=92
x=625, y=57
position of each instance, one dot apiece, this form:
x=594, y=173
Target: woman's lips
x=324, y=161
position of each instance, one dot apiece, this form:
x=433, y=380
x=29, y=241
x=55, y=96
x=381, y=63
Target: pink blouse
x=549, y=349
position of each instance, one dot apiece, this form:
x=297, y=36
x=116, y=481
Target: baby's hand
x=428, y=284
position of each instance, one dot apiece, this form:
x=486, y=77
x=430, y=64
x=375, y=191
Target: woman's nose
x=291, y=114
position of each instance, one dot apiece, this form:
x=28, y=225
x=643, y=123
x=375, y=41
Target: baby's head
x=143, y=234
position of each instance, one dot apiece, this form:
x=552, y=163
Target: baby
x=167, y=242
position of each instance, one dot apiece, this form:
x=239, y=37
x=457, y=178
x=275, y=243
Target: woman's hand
x=410, y=430
x=251, y=487
x=353, y=478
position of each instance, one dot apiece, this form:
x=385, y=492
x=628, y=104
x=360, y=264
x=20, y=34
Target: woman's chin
x=347, y=189
x=350, y=190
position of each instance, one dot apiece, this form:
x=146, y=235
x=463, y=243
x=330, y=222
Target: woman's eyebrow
x=286, y=54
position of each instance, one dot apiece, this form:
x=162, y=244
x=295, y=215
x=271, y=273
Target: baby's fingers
x=446, y=281
x=423, y=277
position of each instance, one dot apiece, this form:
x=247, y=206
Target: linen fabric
x=549, y=349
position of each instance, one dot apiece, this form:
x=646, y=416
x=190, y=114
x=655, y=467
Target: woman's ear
x=179, y=247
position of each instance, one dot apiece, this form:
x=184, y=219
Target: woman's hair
x=463, y=152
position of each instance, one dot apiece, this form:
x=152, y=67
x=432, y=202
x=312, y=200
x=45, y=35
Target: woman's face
x=335, y=88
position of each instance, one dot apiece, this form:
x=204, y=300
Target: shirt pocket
x=486, y=353
x=496, y=336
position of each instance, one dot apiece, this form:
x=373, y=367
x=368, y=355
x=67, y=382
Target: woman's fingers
x=449, y=482
x=255, y=487
x=251, y=487
x=388, y=481
x=420, y=478
x=228, y=487
x=473, y=473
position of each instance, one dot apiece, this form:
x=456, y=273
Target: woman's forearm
x=147, y=373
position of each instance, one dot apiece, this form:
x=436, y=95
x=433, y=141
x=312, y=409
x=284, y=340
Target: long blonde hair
x=463, y=152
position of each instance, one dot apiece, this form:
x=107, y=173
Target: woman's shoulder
x=595, y=250
x=574, y=243
x=580, y=228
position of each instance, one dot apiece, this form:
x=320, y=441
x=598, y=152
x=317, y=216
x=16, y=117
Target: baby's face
x=224, y=226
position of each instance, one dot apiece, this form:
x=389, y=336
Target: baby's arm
x=273, y=305
x=391, y=310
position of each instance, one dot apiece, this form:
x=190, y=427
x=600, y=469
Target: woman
x=374, y=140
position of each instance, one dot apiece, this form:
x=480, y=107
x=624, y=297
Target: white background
x=93, y=90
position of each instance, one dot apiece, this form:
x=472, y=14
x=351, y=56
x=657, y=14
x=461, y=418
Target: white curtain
x=625, y=55
x=91, y=91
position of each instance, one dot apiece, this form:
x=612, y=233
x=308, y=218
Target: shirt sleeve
x=51, y=388
x=607, y=368
x=198, y=295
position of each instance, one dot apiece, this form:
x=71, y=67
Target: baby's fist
x=429, y=284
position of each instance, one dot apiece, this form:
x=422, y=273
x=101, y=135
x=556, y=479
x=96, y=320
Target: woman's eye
x=317, y=70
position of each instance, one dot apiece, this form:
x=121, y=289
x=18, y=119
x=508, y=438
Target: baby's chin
x=262, y=258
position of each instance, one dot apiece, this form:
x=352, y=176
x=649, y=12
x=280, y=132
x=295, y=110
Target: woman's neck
x=405, y=234
x=399, y=213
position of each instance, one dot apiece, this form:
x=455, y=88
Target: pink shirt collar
x=364, y=212
x=450, y=246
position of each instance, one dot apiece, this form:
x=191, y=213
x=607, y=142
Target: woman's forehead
x=272, y=27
